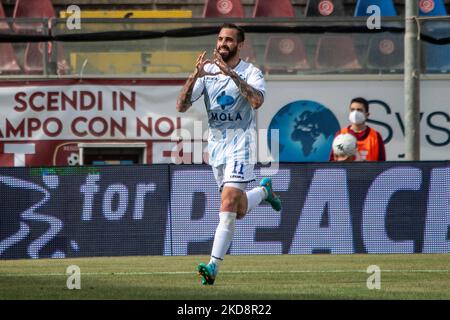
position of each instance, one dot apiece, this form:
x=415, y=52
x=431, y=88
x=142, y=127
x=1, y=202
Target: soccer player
x=233, y=90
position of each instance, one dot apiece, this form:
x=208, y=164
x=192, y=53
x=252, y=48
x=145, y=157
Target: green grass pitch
x=254, y=277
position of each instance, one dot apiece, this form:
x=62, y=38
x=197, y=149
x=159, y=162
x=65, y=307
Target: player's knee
x=230, y=203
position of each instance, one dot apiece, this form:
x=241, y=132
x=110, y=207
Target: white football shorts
x=235, y=174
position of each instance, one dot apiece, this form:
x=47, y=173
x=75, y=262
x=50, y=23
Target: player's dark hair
x=363, y=101
x=240, y=34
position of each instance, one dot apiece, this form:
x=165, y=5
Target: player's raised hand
x=218, y=61
x=200, y=66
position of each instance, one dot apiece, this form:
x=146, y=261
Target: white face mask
x=357, y=117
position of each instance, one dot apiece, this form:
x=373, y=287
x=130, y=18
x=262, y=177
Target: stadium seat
x=248, y=52
x=285, y=54
x=3, y=25
x=282, y=54
x=33, y=60
x=270, y=8
x=432, y=8
x=336, y=53
x=33, y=63
x=435, y=56
x=387, y=8
x=8, y=61
x=317, y=8
x=32, y=9
x=223, y=9
x=386, y=52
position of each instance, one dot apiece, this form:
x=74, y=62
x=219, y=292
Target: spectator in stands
x=370, y=144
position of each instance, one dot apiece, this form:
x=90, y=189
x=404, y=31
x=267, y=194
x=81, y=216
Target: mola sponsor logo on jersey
x=225, y=100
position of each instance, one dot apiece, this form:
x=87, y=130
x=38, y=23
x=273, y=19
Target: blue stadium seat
x=317, y=8
x=387, y=8
x=385, y=52
x=432, y=8
x=435, y=56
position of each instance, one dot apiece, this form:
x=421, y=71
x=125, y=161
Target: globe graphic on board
x=306, y=131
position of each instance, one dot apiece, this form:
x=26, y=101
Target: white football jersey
x=231, y=119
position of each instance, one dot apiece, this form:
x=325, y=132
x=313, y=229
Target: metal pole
x=412, y=82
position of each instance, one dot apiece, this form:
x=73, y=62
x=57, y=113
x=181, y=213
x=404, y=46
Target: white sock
x=255, y=197
x=224, y=235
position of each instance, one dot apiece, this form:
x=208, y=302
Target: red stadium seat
x=223, y=9
x=3, y=25
x=34, y=64
x=32, y=9
x=336, y=53
x=8, y=61
x=386, y=52
x=33, y=61
x=285, y=54
x=247, y=52
x=317, y=8
x=270, y=8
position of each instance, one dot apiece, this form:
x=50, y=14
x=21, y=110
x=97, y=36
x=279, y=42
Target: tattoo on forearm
x=251, y=94
x=184, y=99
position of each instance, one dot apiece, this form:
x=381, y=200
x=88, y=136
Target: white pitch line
x=222, y=272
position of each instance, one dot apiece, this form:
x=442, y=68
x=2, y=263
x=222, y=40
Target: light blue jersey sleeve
x=256, y=81
x=197, y=92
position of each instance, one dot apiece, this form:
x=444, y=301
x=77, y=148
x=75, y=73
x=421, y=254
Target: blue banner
x=391, y=207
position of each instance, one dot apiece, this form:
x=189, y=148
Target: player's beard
x=227, y=56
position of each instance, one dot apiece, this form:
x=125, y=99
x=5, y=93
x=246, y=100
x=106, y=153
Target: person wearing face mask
x=370, y=145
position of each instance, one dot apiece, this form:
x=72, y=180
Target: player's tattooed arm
x=254, y=96
x=184, y=98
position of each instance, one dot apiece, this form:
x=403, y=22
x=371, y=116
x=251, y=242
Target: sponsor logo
x=224, y=6
x=426, y=6
x=225, y=116
x=326, y=7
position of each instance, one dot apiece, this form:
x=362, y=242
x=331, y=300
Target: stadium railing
x=168, y=47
